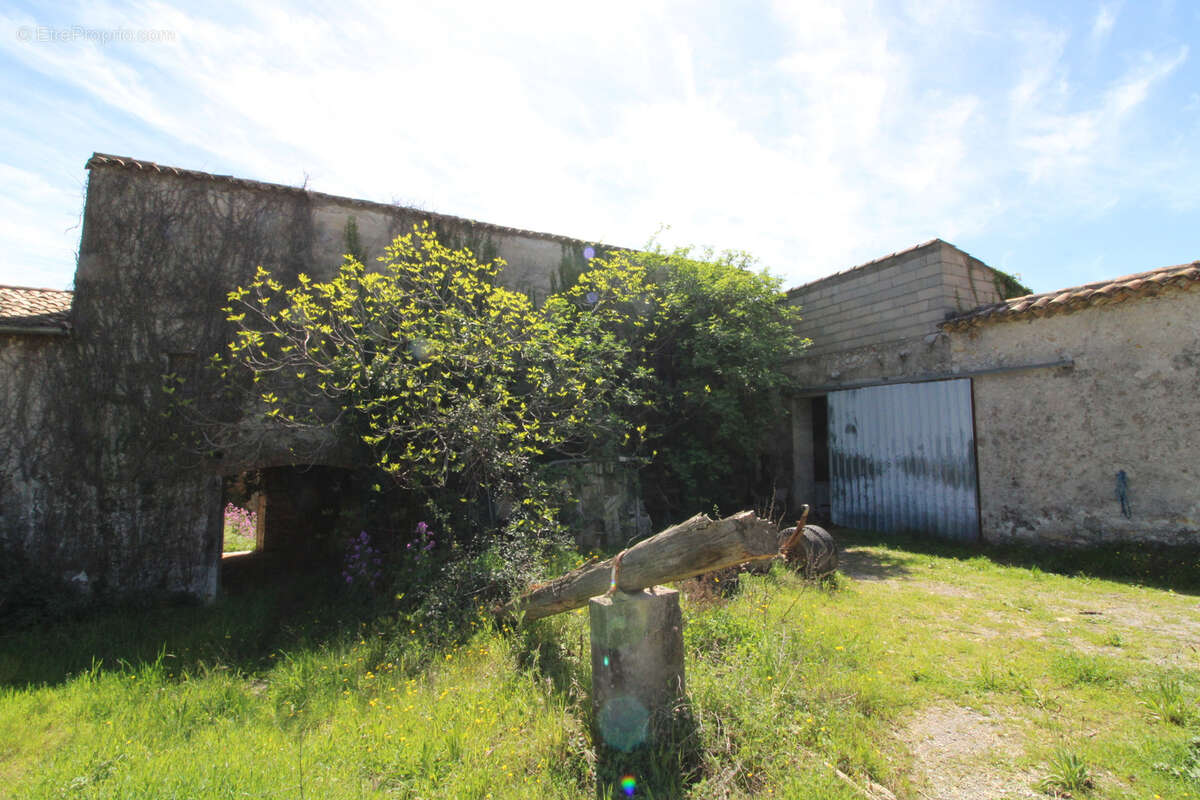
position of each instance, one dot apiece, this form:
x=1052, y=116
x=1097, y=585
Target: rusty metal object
x=809, y=549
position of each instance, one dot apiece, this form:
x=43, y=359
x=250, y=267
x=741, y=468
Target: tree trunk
x=690, y=548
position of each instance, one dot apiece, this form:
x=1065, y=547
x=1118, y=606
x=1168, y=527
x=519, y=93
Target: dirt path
x=980, y=752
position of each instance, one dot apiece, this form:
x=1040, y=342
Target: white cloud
x=861, y=129
x=1103, y=24
x=32, y=221
x=1062, y=136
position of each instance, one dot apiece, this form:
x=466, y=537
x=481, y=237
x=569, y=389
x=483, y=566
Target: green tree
x=461, y=389
x=709, y=338
x=458, y=387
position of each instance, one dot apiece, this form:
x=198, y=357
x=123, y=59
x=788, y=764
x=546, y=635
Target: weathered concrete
x=637, y=663
x=899, y=297
x=1050, y=442
x=94, y=478
x=878, y=323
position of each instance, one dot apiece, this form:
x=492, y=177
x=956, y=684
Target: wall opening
x=241, y=509
x=820, y=456
x=293, y=513
x=300, y=510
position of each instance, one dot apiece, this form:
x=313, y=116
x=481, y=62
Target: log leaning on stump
x=690, y=548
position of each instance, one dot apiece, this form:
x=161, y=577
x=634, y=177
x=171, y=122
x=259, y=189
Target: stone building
x=94, y=486
x=1110, y=417
x=931, y=399
x=881, y=432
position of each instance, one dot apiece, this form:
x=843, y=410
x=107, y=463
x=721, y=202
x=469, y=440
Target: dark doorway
x=820, y=463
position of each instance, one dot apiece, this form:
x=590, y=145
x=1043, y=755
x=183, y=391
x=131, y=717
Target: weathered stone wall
x=109, y=491
x=25, y=361
x=607, y=511
x=1050, y=442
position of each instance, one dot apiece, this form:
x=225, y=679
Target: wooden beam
x=690, y=548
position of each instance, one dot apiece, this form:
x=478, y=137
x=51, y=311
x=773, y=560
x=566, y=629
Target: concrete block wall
x=967, y=282
x=902, y=296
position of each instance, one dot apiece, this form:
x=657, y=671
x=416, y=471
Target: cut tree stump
x=699, y=545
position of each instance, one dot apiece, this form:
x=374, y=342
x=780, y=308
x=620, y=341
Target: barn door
x=902, y=458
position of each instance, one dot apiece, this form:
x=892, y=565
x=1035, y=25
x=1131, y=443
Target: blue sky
x=1059, y=141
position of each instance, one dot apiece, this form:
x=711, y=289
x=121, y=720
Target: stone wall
x=109, y=492
x=26, y=360
x=1050, y=442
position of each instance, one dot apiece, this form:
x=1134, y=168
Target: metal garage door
x=902, y=458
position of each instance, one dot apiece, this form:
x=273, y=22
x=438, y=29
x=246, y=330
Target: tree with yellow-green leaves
x=463, y=389
x=451, y=381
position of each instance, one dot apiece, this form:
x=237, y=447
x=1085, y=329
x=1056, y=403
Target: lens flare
x=589, y=252
x=629, y=785
x=623, y=722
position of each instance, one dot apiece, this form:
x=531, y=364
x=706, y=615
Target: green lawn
x=929, y=671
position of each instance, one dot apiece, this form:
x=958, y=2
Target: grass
x=235, y=543
x=1068, y=775
x=239, y=529
x=284, y=692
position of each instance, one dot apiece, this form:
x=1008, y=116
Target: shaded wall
x=111, y=491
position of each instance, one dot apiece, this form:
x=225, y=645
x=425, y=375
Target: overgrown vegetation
x=1009, y=286
x=714, y=339
x=287, y=691
x=464, y=394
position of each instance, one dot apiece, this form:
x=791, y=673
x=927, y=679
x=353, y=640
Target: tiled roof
x=35, y=309
x=1115, y=290
x=104, y=160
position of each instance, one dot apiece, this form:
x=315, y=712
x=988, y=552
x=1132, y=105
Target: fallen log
x=699, y=545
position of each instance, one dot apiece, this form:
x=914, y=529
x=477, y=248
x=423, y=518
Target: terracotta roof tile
x=1141, y=284
x=35, y=309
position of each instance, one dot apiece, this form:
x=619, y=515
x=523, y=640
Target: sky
x=1057, y=141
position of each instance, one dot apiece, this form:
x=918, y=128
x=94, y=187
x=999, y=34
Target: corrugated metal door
x=902, y=458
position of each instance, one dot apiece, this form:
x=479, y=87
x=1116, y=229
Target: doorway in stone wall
x=283, y=520
x=241, y=513
x=299, y=510
x=820, y=456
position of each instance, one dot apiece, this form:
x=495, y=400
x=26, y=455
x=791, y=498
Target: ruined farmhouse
x=932, y=399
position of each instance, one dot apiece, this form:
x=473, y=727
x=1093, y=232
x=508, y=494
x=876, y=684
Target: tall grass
x=291, y=690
